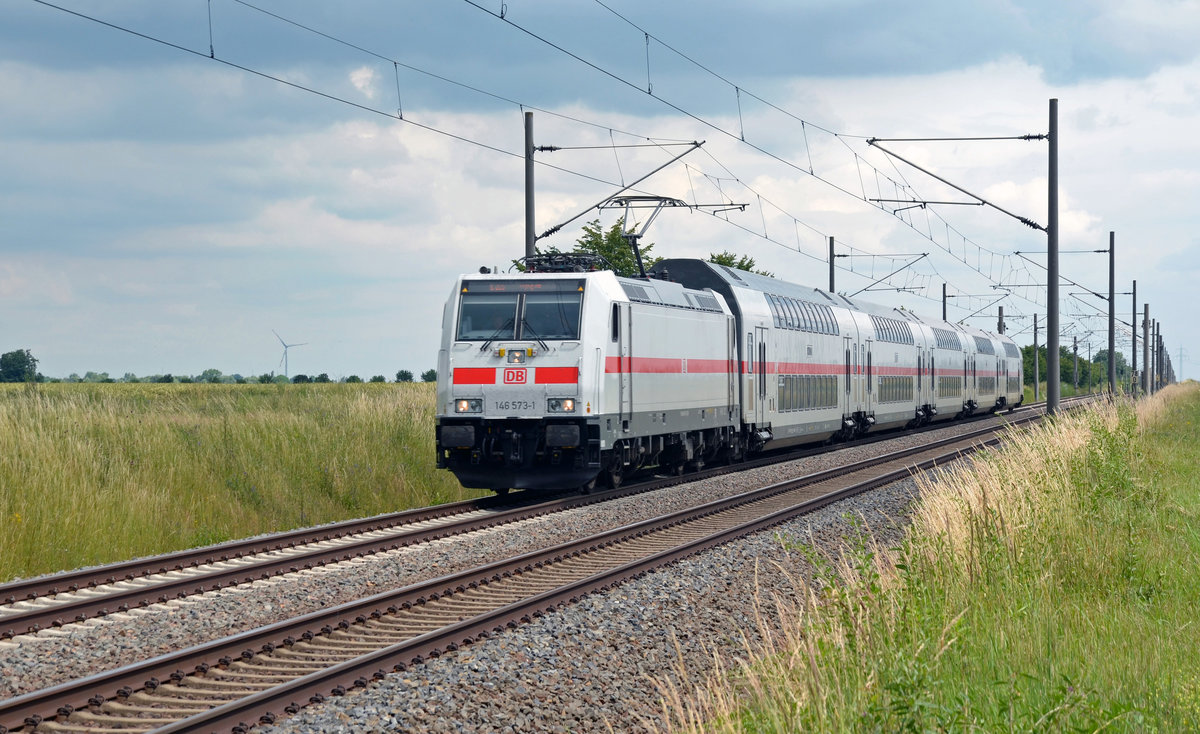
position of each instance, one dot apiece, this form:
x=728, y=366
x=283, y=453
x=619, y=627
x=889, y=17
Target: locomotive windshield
x=525, y=309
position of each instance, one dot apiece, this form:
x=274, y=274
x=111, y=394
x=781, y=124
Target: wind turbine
x=286, y=346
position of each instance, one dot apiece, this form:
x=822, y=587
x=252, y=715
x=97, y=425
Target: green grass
x=1053, y=587
x=92, y=474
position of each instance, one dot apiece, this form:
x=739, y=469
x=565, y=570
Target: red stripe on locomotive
x=556, y=375
x=474, y=376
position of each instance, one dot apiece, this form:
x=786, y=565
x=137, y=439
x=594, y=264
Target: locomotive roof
x=693, y=272
x=668, y=293
x=643, y=290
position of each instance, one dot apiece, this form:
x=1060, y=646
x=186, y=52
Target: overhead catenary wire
x=660, y=142
x=649, y=90
x=335, y=98
x=432, y=75
x=399, y=116
x=672, y=105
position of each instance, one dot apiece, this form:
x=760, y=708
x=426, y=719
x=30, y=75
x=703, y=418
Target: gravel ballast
x=593, y=666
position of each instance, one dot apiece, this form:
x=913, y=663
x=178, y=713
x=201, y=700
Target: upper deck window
x=520, y=309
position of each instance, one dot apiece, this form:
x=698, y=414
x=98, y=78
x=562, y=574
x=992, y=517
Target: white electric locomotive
x=548, y=379
x=559, y=376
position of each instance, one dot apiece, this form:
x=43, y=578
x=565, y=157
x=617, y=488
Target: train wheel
x=588, y=486
x=613, y=478
x=502, y=492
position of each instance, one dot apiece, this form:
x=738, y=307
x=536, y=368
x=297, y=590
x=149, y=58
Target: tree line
x=1092, y=372
x=21, y=366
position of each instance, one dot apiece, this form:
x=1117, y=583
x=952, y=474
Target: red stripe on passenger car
x=709, y=366
x=806, y=368
x=664, y=365
x=474, y=376
x=555, y=375
x=895, y=371
x=657, y=365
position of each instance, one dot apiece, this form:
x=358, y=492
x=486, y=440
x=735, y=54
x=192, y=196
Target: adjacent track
x=255, y=676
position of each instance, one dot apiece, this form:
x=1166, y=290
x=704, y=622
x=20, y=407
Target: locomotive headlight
x=560, y=405
x=468, y=405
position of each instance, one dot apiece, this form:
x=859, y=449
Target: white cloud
x=365, y=80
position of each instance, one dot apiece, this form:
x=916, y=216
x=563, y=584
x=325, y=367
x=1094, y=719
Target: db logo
x=514, y=376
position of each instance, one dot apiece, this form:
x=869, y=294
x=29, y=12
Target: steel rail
x=179, y=560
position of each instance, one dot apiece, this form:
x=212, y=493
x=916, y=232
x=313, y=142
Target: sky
x=183, y=180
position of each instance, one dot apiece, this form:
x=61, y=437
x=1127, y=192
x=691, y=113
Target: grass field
x=95, y=473
x=1051, y=587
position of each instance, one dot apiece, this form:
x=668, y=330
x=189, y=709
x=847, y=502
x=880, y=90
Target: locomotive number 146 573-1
x=514, y=405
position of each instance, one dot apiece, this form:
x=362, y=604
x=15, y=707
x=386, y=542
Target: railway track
x=258, y=675
x=53, y=601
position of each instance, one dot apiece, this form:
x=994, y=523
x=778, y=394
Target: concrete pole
x=1146, y=349
x=530, y=236
x=1158, y=365
x=943, y=301
x=1133, y=352
x=831, y=290
x=999, y=322
x=1076, y=350
x=1112, y=313
x=1162, y=361
x=1154, y=357
x=1052, y=325
x=1091, y=372
x=1036, y=380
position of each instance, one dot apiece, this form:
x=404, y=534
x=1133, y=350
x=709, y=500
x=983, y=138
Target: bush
x=378, y=378
x=404, y=376
x=429, y=376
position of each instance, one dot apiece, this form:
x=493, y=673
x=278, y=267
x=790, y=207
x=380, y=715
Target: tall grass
x=98, y=473
x=1051, y=586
